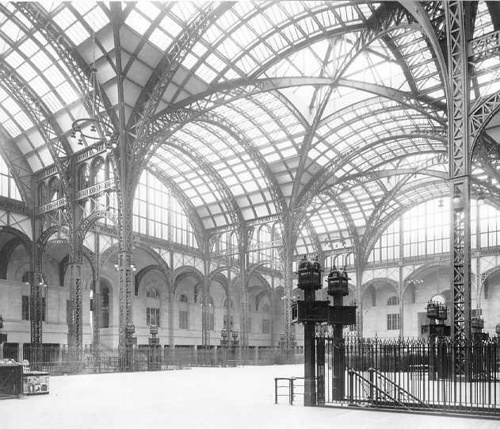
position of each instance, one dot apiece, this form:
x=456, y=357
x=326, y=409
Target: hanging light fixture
x=92, y=127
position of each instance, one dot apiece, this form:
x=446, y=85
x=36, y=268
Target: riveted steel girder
x=484, y=47
x=459, y=169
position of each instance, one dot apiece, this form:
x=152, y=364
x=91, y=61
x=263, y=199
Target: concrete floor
x=205, y=398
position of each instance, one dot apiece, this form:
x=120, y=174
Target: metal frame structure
x=176, y=117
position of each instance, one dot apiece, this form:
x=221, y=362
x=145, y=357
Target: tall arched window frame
x=424, y=230
x=157, y=213
x=8, y=187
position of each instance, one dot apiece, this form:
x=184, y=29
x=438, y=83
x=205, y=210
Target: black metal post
x=320, y=388
x=130, y=340
x=153, y=344
x=338, y=287
x=309, y=280
x=309, y=355
x=338, y=380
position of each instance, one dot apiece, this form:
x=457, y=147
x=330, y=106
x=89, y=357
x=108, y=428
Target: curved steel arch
x=375, y=233
x=220, y=270
x=90, y=220
x=155, y=256
x=481, y=114
x=114, y=248
x=142, y=273
x=184, y=272
x=376, y=280
x=25, y=240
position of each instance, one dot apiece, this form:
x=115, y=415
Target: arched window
x=152, y=292
x=393, y=300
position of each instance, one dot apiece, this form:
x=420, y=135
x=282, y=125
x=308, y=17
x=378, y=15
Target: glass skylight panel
x=22, y=119
x=97, y=18
x=41, y=60
x=29, y=48
x=483, y=24
x=64, y=18
x=277, y=42
x=137, y=22
x=309, y=26
x=261, y=53
x=213, y=34
x=67, y=93
x=160, y=39
x=54, y=76
x=3, y=116
x=184, y=10
x=77, y=33
x=14, y=59
x=260, y=24
x=229, y=48
x=215, y=62
x=170, y=26
x=12, y=31
x=10, y=106
x=11, y=128
x=148, y=9
x=53, y=103
x=26, y=72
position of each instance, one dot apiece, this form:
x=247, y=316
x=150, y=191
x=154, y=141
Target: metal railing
x=59, y=360
x=419, y=374
x=290, y=385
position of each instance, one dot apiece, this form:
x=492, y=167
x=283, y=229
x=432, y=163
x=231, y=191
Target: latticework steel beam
x=459, y=169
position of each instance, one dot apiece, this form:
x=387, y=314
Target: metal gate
x=415, y=374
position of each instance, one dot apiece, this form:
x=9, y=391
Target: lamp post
x=437, y=313
x=338, y=287
x=309, y=280
x=229, y=342
x=224, y=343
x=309, y=312
x=153, y=344
x=130, y=340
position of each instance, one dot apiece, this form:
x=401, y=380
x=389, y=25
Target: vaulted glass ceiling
x=334, y=112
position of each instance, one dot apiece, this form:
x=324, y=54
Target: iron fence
x=60, y=360
x=414, y=374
